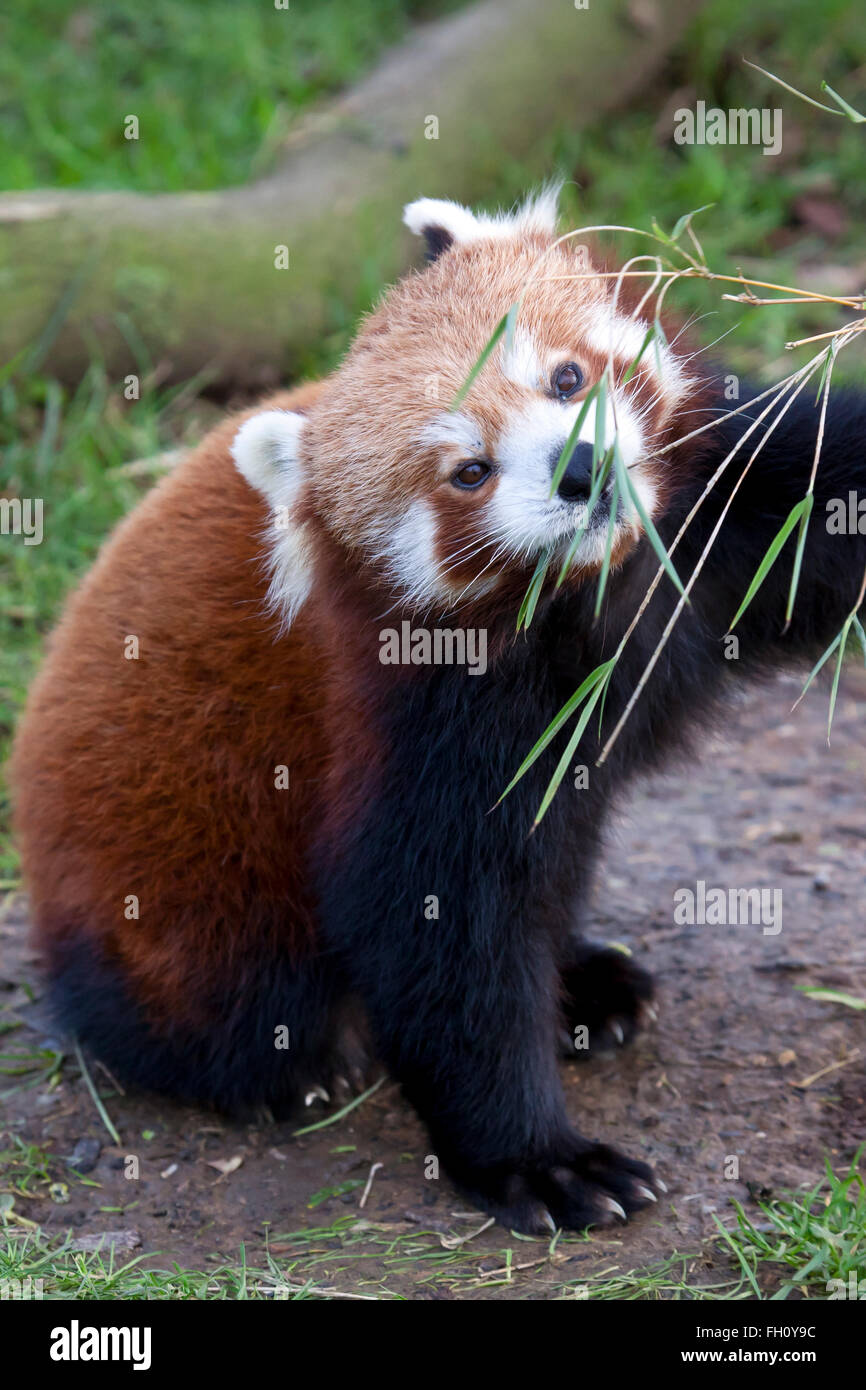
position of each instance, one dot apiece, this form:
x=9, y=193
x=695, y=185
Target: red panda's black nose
x=575, y=483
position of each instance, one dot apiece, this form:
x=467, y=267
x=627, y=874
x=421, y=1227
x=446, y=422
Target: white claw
x=660, y=1185
x=645, y=1192
x=651, y=1012
x=317, y=1093
x=616, y=1029
x=548, y=1220
x=615, y=1208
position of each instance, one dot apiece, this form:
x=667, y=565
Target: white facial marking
x=266, y=452
x=521, y=362
x=457, y=429
x=609, y=333
x=410, y=554
x=522, y=511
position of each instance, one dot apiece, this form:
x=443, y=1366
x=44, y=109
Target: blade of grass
x=738, y=1255
x=96, y=1098
x=338, y=1115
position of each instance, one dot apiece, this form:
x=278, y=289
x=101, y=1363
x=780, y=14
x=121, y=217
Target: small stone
x=84, y=1156
x=121, y=1240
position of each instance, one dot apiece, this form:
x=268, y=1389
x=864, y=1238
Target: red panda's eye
x=471, y=474
x=566, y=380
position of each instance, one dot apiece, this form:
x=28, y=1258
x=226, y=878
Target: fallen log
x=242, y=281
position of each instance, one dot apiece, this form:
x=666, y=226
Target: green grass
x=216, y=87
x=794, y=1246
x=800, y=1244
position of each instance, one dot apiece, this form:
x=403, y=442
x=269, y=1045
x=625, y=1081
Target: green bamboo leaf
x=595, y=493
x=608, y=546
x=600, y=422
x=598, y=674
x=822, y=660
x=770, y=558
x=652, y=534
x=659, y=341
x=527, y=608
x=798, y=558
x=861, y=634
x=607, y=680
x=828, y=358
x=479, y=364
x=682, y=222
x=834, y=689
x=562, y=765
x=511, y=323
x=633, y=366
x=574, y=433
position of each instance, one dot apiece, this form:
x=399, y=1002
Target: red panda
x=237, y=817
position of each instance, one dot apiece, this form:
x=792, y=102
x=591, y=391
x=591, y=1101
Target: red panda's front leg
x=470, y=1031
x=449, y=922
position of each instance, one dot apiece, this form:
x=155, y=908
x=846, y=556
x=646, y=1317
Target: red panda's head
x=441, y=504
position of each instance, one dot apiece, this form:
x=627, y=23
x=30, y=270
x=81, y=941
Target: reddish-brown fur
x=160, y=771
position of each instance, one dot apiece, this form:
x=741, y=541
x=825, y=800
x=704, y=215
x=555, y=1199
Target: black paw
x=581, y=1185
x=607, y=999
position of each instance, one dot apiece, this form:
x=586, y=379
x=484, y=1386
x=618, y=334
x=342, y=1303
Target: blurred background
x=237, y=95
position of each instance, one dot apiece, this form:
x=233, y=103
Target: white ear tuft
x=266, y=451
x=443, y=223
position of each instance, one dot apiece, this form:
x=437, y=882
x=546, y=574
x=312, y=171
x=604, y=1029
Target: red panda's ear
x=266, y=450
x=437, y=221
x=444, y=224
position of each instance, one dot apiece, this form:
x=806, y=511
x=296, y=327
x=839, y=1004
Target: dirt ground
x=740, y=1064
